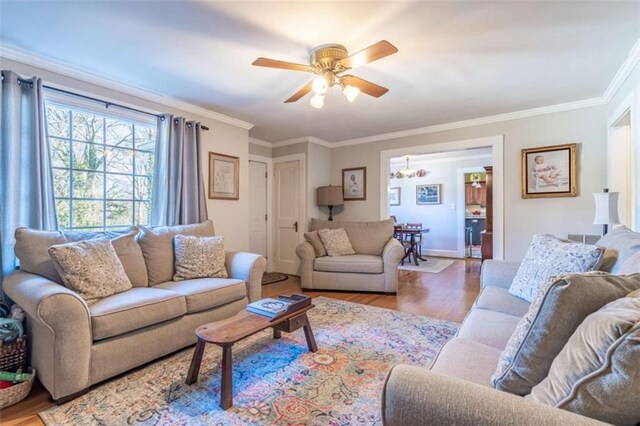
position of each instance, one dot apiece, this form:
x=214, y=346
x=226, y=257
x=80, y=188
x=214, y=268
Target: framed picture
x=354, y=183
x=224, y=177
x=549, y=171
x=394, y=196
x=428, y=194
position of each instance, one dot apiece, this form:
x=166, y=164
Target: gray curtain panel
x=26, y=180
x=178, y=184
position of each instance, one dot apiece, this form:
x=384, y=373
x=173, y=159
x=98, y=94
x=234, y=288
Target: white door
x=287, y=221
x=620, y=167
x=258, y=207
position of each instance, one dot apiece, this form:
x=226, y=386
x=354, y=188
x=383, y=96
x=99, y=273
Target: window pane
x=87, y=213
x=62, y=213
x=119, y=133
x=61, y=183
x=60, y=155
x=58, y=122
x=87, y=156
x=87, y=185
x=87, y=127
x=119, y=187
x=119, y=160
x=119, y=213
x=145, y=138
x=144, y=163
x=143, y=188
x=143, y=213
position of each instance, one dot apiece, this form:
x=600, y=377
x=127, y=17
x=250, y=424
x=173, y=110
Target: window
x=102, y=168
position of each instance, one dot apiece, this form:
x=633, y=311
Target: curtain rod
x=106, y=103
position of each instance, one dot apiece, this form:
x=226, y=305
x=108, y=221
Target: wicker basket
x=13, y=356
x=16, y=393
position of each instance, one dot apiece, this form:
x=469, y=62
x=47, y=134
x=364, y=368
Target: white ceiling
x=456, y=60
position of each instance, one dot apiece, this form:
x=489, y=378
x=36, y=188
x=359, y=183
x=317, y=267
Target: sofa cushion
x=336, y=242
x=32, y=250
x=549, y=256
x=488, y=327
x=631, y=265
x=556, y=313
x=498, y=299
x=134, y=309
x=199, y=257
x=620, y=244
x=206, y=293
x=365, y=237
x=597, y=372
x=358, y=263
x=314, y=239
x=467, y=359
x=157, y=247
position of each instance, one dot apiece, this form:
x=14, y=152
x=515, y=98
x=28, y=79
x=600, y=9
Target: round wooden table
x=412, y=232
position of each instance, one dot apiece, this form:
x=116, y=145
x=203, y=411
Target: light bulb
x=317, y=101
x=319, y=86
x=350, y=92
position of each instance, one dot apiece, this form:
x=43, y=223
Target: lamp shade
x=330, y=196
x=606, y=208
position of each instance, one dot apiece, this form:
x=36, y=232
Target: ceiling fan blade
x=365, y=86
x=372, y=53
x=272, y=63
x=300, y=93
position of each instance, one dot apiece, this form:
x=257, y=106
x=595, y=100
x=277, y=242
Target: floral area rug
x=274, y=381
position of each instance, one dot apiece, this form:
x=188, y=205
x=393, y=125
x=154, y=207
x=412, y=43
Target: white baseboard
x=442, y=253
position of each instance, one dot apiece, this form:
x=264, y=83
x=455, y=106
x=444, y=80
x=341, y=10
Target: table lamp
x=606, y=209
x=330, y=196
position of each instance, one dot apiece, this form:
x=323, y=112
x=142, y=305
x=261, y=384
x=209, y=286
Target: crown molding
x=303, y=139
x=260, y=142
x=88, y=77
x=633, y=58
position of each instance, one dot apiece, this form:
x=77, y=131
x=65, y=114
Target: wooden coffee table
x=226, y=332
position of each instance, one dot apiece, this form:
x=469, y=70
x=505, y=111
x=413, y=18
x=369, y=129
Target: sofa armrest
x=248, y=267
x=416, y=396
x=307, y=256
x=59, y=327
x=391, y=256
x=498, y=273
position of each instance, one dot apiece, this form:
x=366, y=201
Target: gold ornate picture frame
x=549, y=171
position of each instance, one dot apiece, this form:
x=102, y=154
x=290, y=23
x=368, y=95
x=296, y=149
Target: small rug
x=274, y=381
x=433, y=265
x=273, y=277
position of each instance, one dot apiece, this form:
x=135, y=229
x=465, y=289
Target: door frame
x=270, y=246
x=496, y=143
x=462, y=204
x=301, y=158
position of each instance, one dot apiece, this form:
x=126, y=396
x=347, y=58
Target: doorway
x=258, y=209
x=620, y=166
x=288, y=214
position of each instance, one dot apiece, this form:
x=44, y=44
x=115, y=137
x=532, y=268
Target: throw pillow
x=552, y=318
x=314, y=239
x=91, y=268
x=619, y=244
x=549, y=256
x=199, y=257
x=336, y=242
x=631, y=265
x=157, y=247
x=596, y=374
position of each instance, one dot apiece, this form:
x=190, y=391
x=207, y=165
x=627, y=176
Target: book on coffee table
x=273, y=308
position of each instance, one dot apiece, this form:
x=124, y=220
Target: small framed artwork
x=549, y=171
x=354, y=184
x=394, y=196
x=224, y=177
x=428, y=194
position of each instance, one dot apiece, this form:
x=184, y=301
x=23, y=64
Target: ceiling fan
x=329, y=62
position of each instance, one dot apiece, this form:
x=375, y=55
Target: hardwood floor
x=447, y=295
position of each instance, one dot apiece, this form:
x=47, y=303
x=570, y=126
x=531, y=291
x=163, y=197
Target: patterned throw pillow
x=549, y=256
x=199, y=257
x=558, y=310
x=91, y=268
x=336, y=242
x=597, y=373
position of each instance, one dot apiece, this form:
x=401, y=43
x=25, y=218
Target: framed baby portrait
x=354, y=183
x=549, y=171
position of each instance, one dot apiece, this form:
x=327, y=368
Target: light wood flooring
x=447, y=295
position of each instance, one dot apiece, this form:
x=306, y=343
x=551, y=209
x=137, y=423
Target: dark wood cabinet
x=487, y=235
x=475, y=196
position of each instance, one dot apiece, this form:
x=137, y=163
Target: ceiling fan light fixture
x=350, y=92
x=317, y=101
x=319, y=85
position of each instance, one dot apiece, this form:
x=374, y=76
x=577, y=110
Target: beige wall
x=263, y=151
x=318, y=174
x=230, y=217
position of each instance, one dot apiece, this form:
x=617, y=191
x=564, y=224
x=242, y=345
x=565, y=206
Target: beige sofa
x=74, y=345
x=373, y=268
